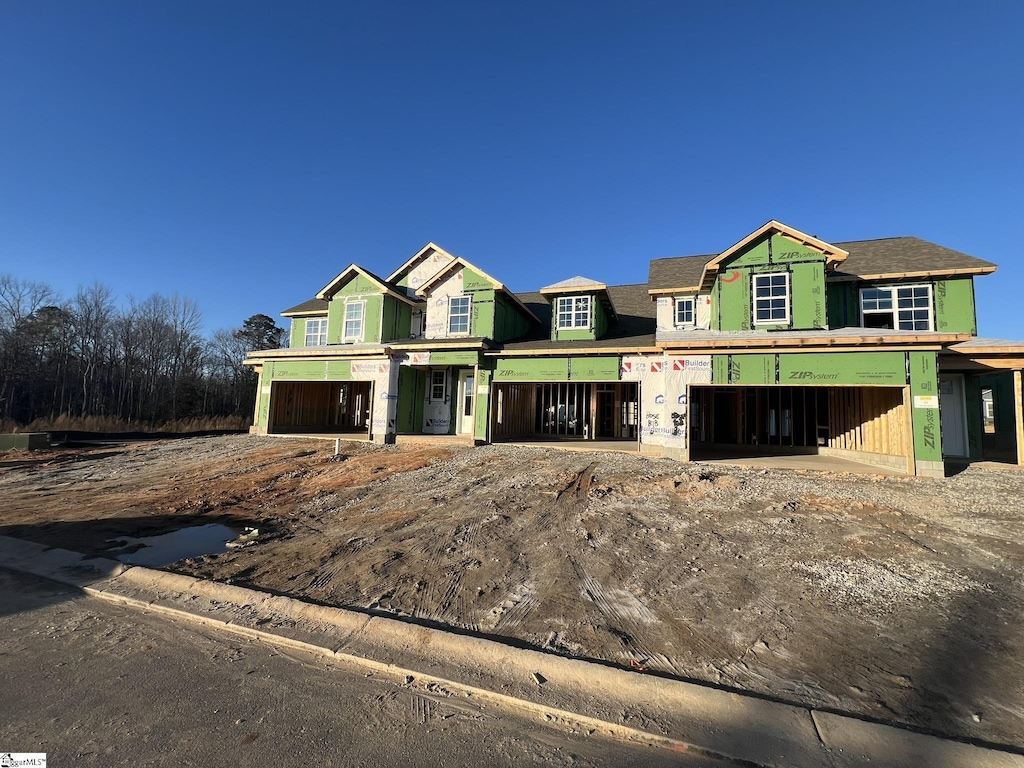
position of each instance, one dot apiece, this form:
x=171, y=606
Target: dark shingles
x=678, y=272
x=636, y=324
x=893, y=255
x=313, y=305
x=890, y=255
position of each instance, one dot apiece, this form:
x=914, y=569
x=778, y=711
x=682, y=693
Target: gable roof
x=353, y=269
x=890, y=257
x=417, y=257
x=834, y=254
x=574, y=285
x=461, y=263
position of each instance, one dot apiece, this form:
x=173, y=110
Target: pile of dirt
x=895, y=598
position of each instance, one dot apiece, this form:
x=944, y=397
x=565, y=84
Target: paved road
x=95, y=684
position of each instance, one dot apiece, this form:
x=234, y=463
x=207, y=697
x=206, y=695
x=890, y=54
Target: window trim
x=444, y=385
x=692, y=301
x=468, y=315
x=894, y=298
x=573, y=312
x=321, y=335
x=787, y=297
x=345, y=335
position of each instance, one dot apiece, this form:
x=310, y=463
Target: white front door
x=952, y=413
x=465, y=404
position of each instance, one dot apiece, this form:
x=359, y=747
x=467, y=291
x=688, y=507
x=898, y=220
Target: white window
x=771, y=298
x=684, y=312
x=458, y=316
x=353, y=330
x=907, y=307
x=574, y=312
x=437, y=385
x=316, y=332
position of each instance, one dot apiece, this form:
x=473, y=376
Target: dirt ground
x=895, y=598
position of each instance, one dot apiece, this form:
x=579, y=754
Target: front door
x=952, y=414
x=465, y=404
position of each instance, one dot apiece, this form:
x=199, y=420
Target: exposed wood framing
x=908, y=433
x=924, y=273
x=1018, y=410
x=871, y=419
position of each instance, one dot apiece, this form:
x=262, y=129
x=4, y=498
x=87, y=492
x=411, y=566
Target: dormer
x=365, y=309
x=581, y=309
x=773, y=279
x=463, y=301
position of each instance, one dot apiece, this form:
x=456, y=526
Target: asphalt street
x=91, y=683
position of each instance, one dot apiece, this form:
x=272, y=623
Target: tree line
x=87, y=362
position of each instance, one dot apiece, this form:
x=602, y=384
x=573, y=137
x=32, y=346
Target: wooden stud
x=1018, y=410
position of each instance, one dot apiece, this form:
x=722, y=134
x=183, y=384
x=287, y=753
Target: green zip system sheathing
x=924, y=391
x=823, y=368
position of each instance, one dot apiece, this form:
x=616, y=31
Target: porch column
x=1018, y=415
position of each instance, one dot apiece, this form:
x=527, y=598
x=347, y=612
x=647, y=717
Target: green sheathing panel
x=784, y=250
x=263, y=412
x=808, y=295
x=531, y=369
x=357, y=285
x=454, y=358
x=732, y=299
x=291, y=370
x=954, y=306
x=297, y=338
x=924, y=390
x=474, y=281
x=411, y=391
x=752, y=369
x=510, y=322
x=867, y=368
x=575, y=334
x=483, y=402
x=307, y=370
x=594, y=368
x=843, y=305
x=975, y=418
x=720, y=369
x=481, y=311
x=758, y=253
x=600, y=318
x=339, y=370
x=397, y=319
x=358, y=288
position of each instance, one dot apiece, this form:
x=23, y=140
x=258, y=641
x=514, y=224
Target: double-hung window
x=771, y=298
x=437, y=385
x=316, y=332
x=458, y=316
x=353, y=330
x=573, y=312
x=684, y=312
x=906, y=307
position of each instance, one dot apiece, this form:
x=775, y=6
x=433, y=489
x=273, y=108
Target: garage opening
x=566, y=411
x=862, y=423
x=341, y=407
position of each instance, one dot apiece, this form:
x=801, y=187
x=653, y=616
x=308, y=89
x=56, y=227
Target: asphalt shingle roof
x=890, y=255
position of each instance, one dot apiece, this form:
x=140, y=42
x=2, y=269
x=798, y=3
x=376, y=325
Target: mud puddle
x=167, y=548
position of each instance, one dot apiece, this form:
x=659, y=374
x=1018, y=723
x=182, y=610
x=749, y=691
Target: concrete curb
x=668, y=713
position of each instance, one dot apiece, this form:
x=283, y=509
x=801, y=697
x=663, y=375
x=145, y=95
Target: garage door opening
x=566, y=411
x=320, y=407
x=862, y=423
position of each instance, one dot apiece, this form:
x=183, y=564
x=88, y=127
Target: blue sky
x=243, y=153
